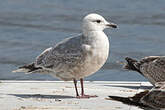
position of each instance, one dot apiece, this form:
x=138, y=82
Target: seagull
x=151, y=67
x=154, y=98
x=75, y=57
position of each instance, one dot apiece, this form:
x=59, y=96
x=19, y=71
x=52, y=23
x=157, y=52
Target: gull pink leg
x=82, y=91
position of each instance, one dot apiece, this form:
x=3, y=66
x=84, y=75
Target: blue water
x=27, y=27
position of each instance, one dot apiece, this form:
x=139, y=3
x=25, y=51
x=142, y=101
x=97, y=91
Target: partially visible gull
x=152, y=67
x=76, y=57
x=153, y=99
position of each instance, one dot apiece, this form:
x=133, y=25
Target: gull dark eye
x=98, y=21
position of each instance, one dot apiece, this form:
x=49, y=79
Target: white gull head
x=95, y=22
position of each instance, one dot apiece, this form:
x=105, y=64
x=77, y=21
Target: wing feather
x=154, y=69
x=65, y=54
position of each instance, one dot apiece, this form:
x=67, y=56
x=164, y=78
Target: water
x=27, y=27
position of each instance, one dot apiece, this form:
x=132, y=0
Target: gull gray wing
x=156, y=96
x=152, y=67
x=33, y=67
x=136, y=65
x=64, y=55
x=42, y=56
x=154, y=70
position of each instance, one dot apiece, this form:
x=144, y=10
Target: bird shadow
x=42, y=96
x=131, y=87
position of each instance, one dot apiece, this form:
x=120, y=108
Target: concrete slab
x=59, y=95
